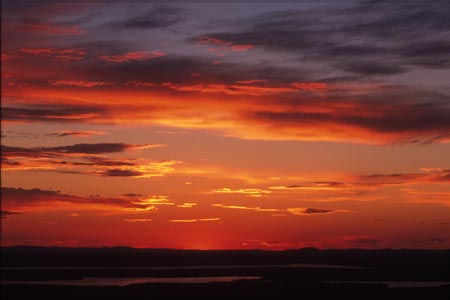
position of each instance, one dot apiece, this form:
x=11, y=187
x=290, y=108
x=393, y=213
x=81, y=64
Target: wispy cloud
x=249, y=192
x=25, y=200
x=59, y=54
x=132, y=56
x=292, y=211
x=80, y=83
x=241, y=207
x=137, y=220
x=85, y=159
x=159, y=16
x=351, y=39
x=312, y=211
x=35, y=26
x=187, y=205
x=5, y=213
x=72, y=133
x=221, y=47
x=194, y=220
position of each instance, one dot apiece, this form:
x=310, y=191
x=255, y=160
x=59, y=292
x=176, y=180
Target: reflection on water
x=399, y=284
x=98, y=281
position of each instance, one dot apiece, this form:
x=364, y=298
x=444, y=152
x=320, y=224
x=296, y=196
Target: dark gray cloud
x=71, y=133
x=72, y=155
x=159, y=16
x=369, y=38
x=121, y=173
x=66, y=113
x=17, y=199
x=316, y=183
x=133, y=195
x=98, y=148
x=4, y=213
x=437, y=176
x=419, y=123
x=178, y=69
x=172, y=68
x=317, y=211
x=95, y=148
x=90, y=159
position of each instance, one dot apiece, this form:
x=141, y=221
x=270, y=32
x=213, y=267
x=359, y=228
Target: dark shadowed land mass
x=165, y=274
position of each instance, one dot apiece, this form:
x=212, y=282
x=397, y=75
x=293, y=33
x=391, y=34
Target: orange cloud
x=259, y=209
x=293, y=211
x=154, y=200
x=137, y=220
x=194, y=220
x=187, y=205
x=249, y=192
x=259, y=111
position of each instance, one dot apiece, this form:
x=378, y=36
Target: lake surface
x=124, y=281
x=99, y=281
x=399, y=284
x=200, y=267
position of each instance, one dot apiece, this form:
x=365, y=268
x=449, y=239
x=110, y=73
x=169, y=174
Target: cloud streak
x=64, y=55
x=25, y=200
x=257, y=193
x=159, y=16
x=71, y=133
x=194, y=220
x=34, y=26
x=352, y=39
x=85, y=159
x=293, y=211
x=132, y=56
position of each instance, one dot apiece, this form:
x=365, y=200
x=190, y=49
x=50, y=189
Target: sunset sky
x=223, y=125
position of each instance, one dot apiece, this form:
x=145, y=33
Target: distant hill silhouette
x=21, y=256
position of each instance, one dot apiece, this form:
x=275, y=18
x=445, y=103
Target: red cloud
x=131, y=56
x=80, y=83
x=139, y=83
x=311, y=86
x=231, y=89
x=57, y=54
x=50, y=28
x=221, y=46
x=24, y=200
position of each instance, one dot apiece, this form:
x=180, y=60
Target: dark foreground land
x=278, y=279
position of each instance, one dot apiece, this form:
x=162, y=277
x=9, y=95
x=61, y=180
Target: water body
x=399, y=284
x=201, y=267
x=98, y=281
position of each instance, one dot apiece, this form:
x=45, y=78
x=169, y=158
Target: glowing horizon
x=225, y=126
